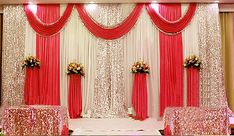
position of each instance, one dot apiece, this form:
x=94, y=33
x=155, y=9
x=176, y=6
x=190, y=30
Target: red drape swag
x=112, y=33
x=171, y=26
x=193, y=87
x=48, y=29
x=75, y=97
x=31, y=86
x=171, y=61
x=139, y=96
x=48, y=51
x=116, y=32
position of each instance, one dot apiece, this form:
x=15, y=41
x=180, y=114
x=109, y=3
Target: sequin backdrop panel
x=109, y=15
x=12, y=54
x=212, y=92
x=109, y=99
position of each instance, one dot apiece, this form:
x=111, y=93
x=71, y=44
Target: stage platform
x=117, y=126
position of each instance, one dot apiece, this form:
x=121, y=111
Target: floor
x=121, y=126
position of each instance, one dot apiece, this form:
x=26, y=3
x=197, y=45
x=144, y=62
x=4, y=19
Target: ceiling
x=112, y=1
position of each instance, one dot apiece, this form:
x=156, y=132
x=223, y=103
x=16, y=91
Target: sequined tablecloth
x=196, y=121
x=34, y=120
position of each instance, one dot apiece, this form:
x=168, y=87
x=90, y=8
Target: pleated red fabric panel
x=193, y=87
x=48, y=51
x=75, y=96
x=171, y=61
x=31, y=86
x=139, y=96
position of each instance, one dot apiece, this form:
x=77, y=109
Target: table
x=35, y=120
x=196, y=121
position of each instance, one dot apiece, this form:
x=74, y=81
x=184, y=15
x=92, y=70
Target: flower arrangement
x=31, y=61
x=140, y=67
x=75, y=68
x=192, y=61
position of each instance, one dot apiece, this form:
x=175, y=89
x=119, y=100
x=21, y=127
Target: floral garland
x=140, y=67
x=31, y=61
x=75, y=68
x=192, y=61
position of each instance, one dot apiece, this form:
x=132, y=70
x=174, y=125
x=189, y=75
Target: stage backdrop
x=107, y=85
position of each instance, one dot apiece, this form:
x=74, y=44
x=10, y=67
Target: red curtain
x=176, y=25
x=48, y=51
x=75, y=97
x=31, y=86
x=139, y=96
x=112, y=33
x=167, y=131
x=193, y=87
x=65, y=131
x=171, y=61
x=48, y=29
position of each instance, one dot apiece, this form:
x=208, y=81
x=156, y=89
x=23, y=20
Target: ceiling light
x=155, y=7
x=154, y=1
x=33, y=8
x=91, y=7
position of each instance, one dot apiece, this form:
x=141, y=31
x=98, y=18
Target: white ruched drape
x=190, y=44
x=30, y=41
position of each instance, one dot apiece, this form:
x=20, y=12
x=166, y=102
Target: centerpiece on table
x=140, y=67
x=75, y=68
x=192, y=62
x=31, y=61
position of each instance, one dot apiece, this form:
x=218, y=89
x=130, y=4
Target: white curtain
x=190, y=43
x=78, y=45
x=30, y=41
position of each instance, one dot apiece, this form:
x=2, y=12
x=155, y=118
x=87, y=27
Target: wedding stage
x=117, y=126
x=88, y=67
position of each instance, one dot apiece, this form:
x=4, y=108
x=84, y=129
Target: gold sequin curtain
x=12, y=50
x=109, y=99
x=212, y=91
x=227, y=29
